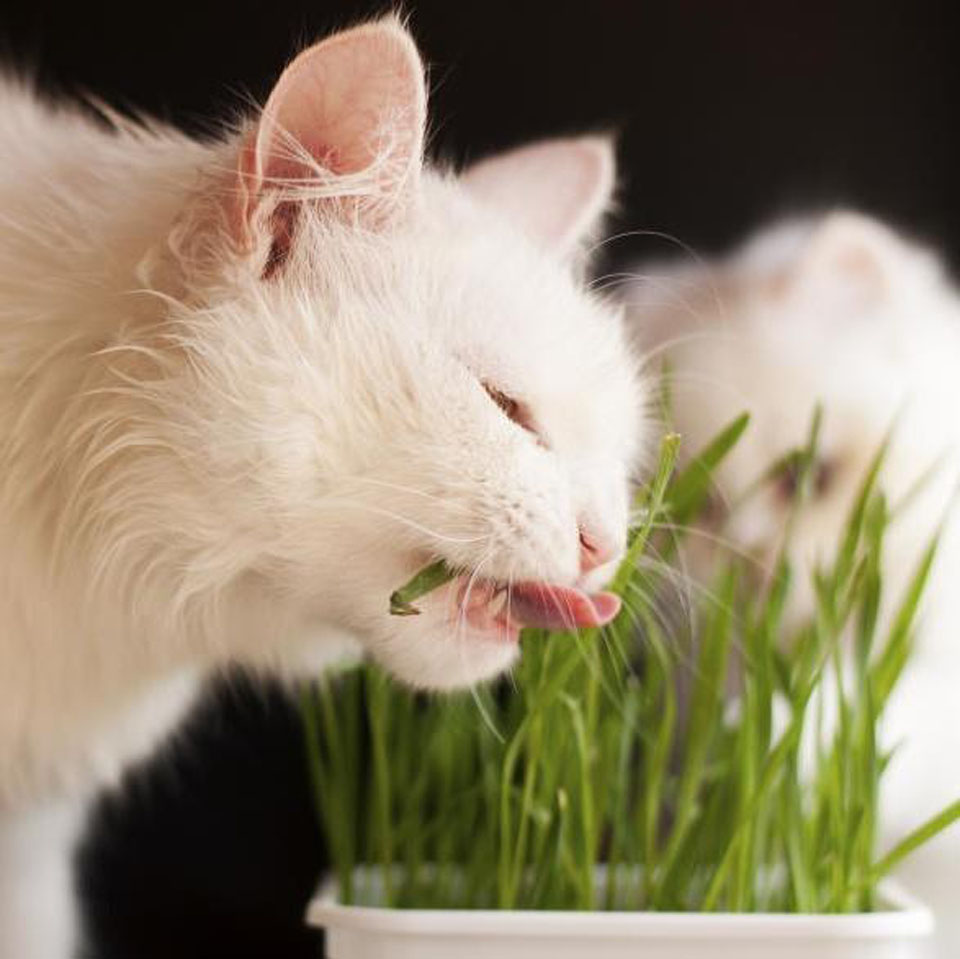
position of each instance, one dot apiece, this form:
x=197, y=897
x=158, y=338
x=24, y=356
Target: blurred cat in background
x=841, y=311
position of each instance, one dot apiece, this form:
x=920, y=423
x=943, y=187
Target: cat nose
x=595, y=549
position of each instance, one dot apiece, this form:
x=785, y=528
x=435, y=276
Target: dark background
x=729, y=112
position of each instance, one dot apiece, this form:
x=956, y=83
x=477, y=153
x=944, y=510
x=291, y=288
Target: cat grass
x=627, y=748
x=425, y=581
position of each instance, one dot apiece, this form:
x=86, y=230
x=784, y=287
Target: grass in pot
x=614, y=794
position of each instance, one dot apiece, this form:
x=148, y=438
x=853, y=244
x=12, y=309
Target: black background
x=728, y=113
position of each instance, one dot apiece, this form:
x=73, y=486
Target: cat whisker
x=400, y=488
x=726, y=542
x=655, y=352
x=705, y=268
x=686, y=248
x=337, y=503
x=460, y=640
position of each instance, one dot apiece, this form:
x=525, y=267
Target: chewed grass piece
x=426, y=581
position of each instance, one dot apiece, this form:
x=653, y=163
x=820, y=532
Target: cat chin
x=439, y=661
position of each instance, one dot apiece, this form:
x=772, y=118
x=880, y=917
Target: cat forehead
x=518, y=318
x=493, y=295
x=529, y=325
x=777, y=370
x=780, y=368
x=537, y=337
x=459, y=279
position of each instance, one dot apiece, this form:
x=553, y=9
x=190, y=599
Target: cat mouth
x=500, y=611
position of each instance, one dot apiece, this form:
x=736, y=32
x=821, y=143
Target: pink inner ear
x=848, y=254
x=353, y=103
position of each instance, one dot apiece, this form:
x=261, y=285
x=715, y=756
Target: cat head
x=838, y=311
x=382, y=364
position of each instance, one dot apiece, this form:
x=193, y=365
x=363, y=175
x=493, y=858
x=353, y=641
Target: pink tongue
x=557, y=607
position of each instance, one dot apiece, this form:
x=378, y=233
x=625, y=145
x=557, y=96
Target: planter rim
x=904, y=917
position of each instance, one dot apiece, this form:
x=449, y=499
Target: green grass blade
x=692, y=484
x=919, y=837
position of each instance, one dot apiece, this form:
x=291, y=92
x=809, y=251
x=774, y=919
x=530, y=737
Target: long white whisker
x=398, y=487
x=338, y=503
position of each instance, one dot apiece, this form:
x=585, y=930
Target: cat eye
x=514, y=410
x=822, y=477
x=713, y=509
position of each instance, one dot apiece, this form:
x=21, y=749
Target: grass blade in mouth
x=426, y=581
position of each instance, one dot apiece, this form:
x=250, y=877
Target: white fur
x=200, y=463
x=39, y=915
x=841, y=311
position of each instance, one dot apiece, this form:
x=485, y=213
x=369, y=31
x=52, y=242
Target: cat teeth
x=487, y=603
x=498, y=604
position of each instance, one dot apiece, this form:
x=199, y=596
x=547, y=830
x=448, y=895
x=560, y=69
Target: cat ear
x=555, y=190
x=344, y=123
x=851, y=254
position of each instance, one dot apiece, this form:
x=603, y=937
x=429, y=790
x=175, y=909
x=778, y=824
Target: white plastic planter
x=901, y=930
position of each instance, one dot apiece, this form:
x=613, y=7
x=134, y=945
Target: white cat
x=248, y=387
x=841, y=311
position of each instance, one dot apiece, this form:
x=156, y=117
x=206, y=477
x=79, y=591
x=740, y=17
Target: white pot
x=900, y=930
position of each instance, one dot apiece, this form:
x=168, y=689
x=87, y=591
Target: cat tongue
x=542, y=606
